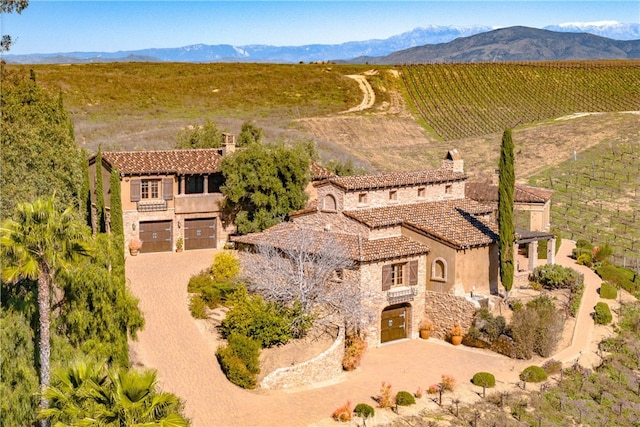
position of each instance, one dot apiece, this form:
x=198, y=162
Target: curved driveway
x=185, y=358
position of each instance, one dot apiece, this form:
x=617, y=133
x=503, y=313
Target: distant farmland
x=462, y=100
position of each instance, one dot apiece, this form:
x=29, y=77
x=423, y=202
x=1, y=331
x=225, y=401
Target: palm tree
x=38, y=242
x=86, y=394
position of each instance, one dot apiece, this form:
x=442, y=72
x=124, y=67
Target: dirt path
x=184, y=356
x=369, y=96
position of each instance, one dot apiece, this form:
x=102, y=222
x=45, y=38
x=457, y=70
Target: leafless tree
x=313, y=270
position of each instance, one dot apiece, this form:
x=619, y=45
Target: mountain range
x=431, y=44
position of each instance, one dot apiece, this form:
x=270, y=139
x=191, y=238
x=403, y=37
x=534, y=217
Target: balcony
x=402, y=294
x=198, y=203
x=152, y=205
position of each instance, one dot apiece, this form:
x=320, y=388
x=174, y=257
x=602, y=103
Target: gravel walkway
x=185, y=359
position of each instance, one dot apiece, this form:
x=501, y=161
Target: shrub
x=585, y=259
x=404, y=398
x=252, y=316
x=621, y=277
x=225, y=267
x=608, y=291
x=211, y=291
x=602, y=253
x=448, y=383
x=575, y=297
x=554, y=276
x=197, y=307
x=489, y=327
x=523, y=332
x=552, y=366
x=385, y=399
x=364, y=411
x=533, y=374
x=355, y=349
x=433, y=389
x=548, y=330
x=234, y=368
x=343, y=413
x=247, y=349
x=484, y=379
x=602, y=315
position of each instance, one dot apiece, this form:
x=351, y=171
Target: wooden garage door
x=155, y=236
x=200, y=233
x=394, y=323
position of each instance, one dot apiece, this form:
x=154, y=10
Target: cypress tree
x=85, y=192
x=100, y=214
x=506, y=190
x=117, y=226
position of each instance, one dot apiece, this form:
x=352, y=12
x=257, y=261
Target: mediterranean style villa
x=419, y=243
x=422, y=243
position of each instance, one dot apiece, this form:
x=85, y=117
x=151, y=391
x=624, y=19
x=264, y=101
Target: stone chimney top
x=228, y=143
x=453, y=161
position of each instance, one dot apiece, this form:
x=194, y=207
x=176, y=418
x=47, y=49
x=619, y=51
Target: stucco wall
x=323, y=367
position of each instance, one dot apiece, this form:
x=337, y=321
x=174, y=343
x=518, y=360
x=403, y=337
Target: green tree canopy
x=263, y=183
x=200, y=136
x=39, y=152
x=249, y=134
x=506, y=228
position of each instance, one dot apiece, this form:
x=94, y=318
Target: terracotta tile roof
x=319, y=172
x=397, y=179
x=488, y=192
x=191, y=161
x=357, y=247
x=461, y=223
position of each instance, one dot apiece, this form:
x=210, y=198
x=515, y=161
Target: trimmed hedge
x=234, y=368
x=625, y=278
x=364, y=411
x=554, y=276
x=608, y=291
x=484, y=379
x=533, y=374
x=404, y=398
x=602, y=315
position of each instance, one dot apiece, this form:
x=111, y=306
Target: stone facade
x=445, y=310
x=324, y=367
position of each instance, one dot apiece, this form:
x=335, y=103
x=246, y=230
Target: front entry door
x=394, y=323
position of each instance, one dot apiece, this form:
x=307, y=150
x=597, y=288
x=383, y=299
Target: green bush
x=198, y=307
x=608, y=291
x=404, y=398
x=212, y=292
x=364, y=411
x=548, y=330
x=225, y=267
x=252, y=316
x=619, y=276
x=533, y=374
x=575, y=297
x=235, y=369
x=484, y=379
x=585, y=259
x=490, y=327
x=246, y=349
x=602, y=315
x=554, y=276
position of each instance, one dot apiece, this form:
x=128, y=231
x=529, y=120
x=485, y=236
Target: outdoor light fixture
x=133, y=226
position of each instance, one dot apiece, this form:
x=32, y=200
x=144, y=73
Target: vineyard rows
x=597, y=198
x=462, y=100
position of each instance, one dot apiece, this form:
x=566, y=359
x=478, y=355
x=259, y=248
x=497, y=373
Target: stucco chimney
x=453, y=161
x=228, y=143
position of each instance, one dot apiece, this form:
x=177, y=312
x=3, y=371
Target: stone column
x=533, y=255
x=516, y=263
x=182, y=184
x=205, y=190
x=551, y=251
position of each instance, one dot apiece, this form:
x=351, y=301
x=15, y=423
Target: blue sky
x=109, y=26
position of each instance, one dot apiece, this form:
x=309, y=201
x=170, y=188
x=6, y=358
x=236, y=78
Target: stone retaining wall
x=445, y=310
x=326, y=366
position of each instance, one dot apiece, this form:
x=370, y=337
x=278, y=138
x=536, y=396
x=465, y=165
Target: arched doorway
x=395, y=322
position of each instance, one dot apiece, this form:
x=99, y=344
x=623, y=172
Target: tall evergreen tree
x=101, y=222
x=117, y=226
x=506, y=228
x=85, y=194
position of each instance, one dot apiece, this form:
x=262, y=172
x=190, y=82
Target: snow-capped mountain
x=610, y=29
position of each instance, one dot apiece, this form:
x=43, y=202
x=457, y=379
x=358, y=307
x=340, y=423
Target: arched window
x=439, y=270
x=329, y=203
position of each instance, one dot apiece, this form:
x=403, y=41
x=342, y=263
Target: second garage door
x=155, y=236
x=200, y=233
